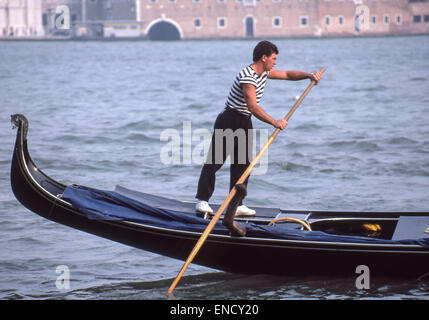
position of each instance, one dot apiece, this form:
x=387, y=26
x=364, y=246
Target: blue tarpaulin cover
x=110, y=205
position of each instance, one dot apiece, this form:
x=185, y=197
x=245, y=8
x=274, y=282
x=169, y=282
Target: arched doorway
x=250, y=27
x=163, y=30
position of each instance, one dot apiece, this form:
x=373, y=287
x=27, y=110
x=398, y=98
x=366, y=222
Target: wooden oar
x=243, y=177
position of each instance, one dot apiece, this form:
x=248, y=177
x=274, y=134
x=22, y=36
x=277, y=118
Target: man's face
x=269, y=62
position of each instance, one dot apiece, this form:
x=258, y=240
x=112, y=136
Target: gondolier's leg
x=241, y=161
x=206, y=186
x=239, y=166
x=214, y=162
x=206, y=183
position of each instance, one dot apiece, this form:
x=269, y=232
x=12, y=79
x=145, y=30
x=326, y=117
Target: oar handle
x=228, y=199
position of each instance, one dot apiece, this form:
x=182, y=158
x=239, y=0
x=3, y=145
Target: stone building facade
x=214, y=19
x=36, y=18
x=20, y=18
x=200, y=19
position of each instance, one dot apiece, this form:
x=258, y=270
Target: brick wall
x=282, y=18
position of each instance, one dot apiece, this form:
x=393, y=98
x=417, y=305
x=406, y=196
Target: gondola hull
x=40, y=194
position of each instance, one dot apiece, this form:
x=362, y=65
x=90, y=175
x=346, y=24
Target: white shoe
x=244, y=211
x=203, y=207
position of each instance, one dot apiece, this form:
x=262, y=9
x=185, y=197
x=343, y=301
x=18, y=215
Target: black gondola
x=387, y=255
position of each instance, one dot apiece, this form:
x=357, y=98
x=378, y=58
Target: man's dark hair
x=264, y=47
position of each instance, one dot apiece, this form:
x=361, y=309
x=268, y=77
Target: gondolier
x=242, y=102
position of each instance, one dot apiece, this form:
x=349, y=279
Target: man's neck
x=258, y=67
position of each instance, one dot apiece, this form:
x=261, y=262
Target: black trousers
x=235, y=143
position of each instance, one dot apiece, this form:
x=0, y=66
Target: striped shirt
x=236, y=99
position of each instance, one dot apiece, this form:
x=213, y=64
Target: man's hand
x=315, y=76
x=280, y=124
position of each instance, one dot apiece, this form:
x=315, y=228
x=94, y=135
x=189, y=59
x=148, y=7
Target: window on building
x=398, y=19
x=340, y=20
x=386, y=19
x=45, y=19
x=426, y=18
x=374, y=19
x=197, y=23
x=250, y=26
x=304, y=21
x=221, y=22
x=327, y=20
x=417, y=19
x=277, y=22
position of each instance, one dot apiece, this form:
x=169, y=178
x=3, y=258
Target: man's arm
x=293, y=75
x=249, y=92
